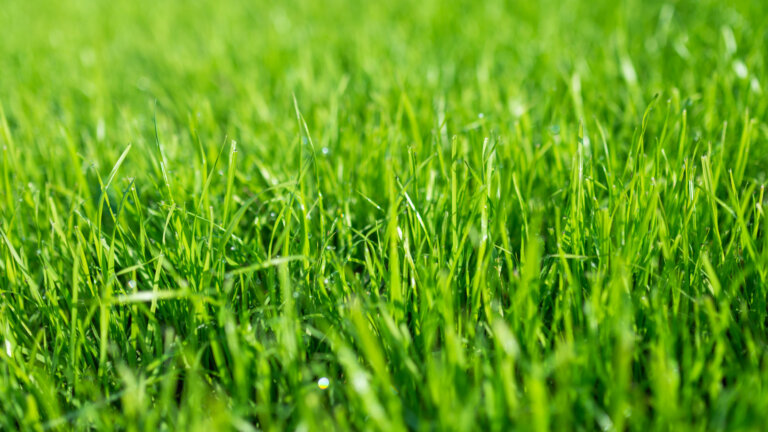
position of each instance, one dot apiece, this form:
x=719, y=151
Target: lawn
x=336, y=215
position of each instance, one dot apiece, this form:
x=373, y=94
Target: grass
x=383, y=215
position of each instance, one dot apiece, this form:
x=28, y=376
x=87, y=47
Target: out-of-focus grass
x=463, y=215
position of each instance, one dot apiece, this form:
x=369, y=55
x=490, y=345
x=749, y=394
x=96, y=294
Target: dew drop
x=322, y=383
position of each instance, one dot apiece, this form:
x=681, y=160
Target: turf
x=336, y=215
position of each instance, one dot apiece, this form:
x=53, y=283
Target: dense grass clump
x=336, y=215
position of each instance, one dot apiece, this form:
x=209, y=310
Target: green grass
x=480, y=215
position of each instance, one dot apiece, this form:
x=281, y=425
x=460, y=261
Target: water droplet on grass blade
x=132, y=284
x=323, y=383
